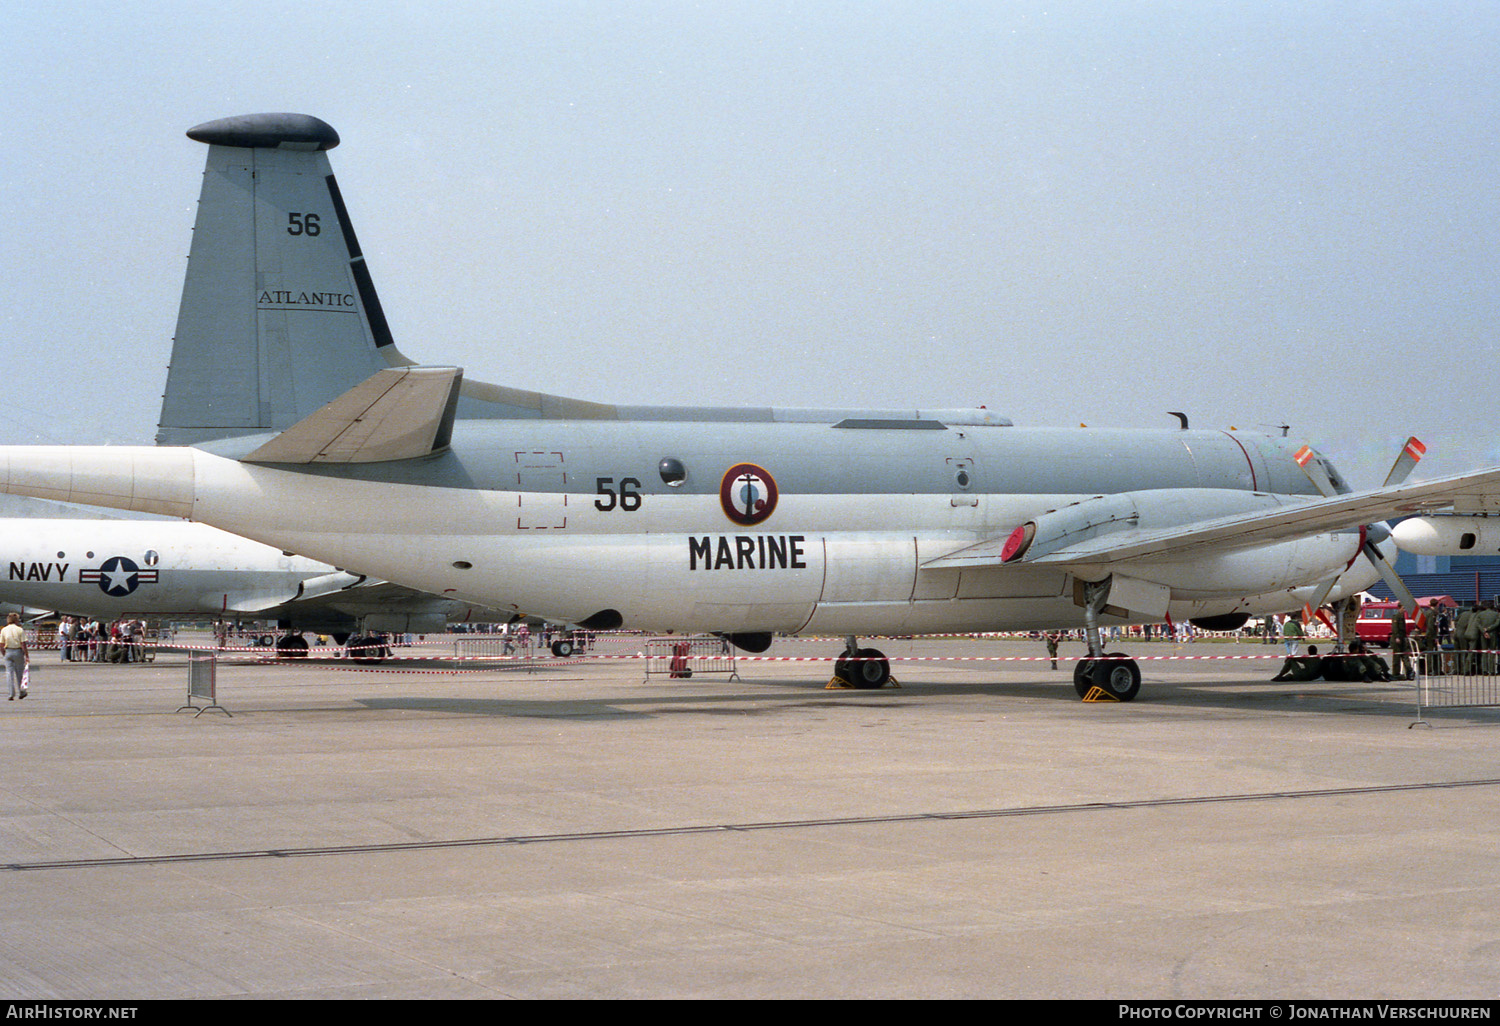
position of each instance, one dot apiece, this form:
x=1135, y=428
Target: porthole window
x=962, y=477
x=462, y=564
x=151, y=558
x=673, y=473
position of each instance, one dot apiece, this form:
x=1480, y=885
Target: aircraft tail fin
x=279, y=314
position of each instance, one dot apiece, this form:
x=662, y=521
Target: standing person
x=1431, y=645
x=65, y=639
x=1486, y=623
x=1052, y=640
x=1291, y=633
x=13, y=643
x=1400, y=650
x=1466, y=640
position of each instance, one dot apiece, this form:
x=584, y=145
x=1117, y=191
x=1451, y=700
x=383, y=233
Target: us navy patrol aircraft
x=291, y=418
x=107, y=569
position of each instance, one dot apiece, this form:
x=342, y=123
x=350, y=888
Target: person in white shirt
x=13, y=642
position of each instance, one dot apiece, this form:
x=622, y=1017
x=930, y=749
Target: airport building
x=1467, y=578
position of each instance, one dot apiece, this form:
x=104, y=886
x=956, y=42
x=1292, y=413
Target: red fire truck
x=1374, y=623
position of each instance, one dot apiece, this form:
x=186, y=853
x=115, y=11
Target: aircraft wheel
x=1083, y=677
x=293, y=646
x=869, y=669
x=1120, y=677
x=562, y=649
x=365, y=648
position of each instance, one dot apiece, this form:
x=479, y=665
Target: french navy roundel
x=748, y=494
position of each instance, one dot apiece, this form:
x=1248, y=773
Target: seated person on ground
x=1357, y=664
x=1308, y=667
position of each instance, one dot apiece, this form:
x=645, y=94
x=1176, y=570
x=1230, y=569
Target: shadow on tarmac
x=775, y=696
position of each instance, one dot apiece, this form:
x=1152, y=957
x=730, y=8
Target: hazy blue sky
x=1259, y=213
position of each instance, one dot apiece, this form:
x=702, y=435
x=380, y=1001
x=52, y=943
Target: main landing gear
x=1103, y=675
x=864, y=668
x=363, y=648
x=291, y=646
x=368, y=648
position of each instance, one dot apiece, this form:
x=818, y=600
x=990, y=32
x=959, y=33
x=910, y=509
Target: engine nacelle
x=1107, y=514
x=1074, y=523
x=1147, y=583
x=1449, y=535
x=1259, y=569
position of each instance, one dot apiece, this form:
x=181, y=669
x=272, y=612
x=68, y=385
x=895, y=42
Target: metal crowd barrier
x=1457, y=679
x=490, y=646
x=689, y=656
x=203, y=683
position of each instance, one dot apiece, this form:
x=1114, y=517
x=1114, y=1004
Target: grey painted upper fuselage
x=824, y=460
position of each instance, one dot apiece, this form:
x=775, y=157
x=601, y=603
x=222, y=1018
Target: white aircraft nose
x=1416, y=536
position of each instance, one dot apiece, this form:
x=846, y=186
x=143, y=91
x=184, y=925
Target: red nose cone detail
x=1018, y=542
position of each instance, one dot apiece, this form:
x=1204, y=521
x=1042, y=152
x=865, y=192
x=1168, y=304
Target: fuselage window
x=673, y=473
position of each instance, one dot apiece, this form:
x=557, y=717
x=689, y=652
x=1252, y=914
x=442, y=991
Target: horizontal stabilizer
x=396, y=414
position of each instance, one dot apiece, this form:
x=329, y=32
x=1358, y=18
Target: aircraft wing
x=311, y=588
x=383, y=599
x=343, y=596
x=1466, y=493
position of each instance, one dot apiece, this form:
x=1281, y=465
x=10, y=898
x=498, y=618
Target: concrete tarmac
x=572, y=831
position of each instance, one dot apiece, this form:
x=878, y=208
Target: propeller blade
x=1316, y=602
x=1392, y=579
x=1411, y=455
x=1315, y=471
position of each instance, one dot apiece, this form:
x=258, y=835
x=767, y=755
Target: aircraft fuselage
x=769, y=526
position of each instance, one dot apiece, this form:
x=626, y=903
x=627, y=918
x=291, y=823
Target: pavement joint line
x=648, y=832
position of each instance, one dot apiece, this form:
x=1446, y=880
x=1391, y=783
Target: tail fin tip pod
x=278, y=313
x=267, y=131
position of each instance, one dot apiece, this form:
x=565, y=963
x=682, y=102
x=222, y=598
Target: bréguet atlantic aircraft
x=291, y=418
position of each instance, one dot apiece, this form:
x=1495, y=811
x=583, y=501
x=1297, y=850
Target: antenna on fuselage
x=1181, y=418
